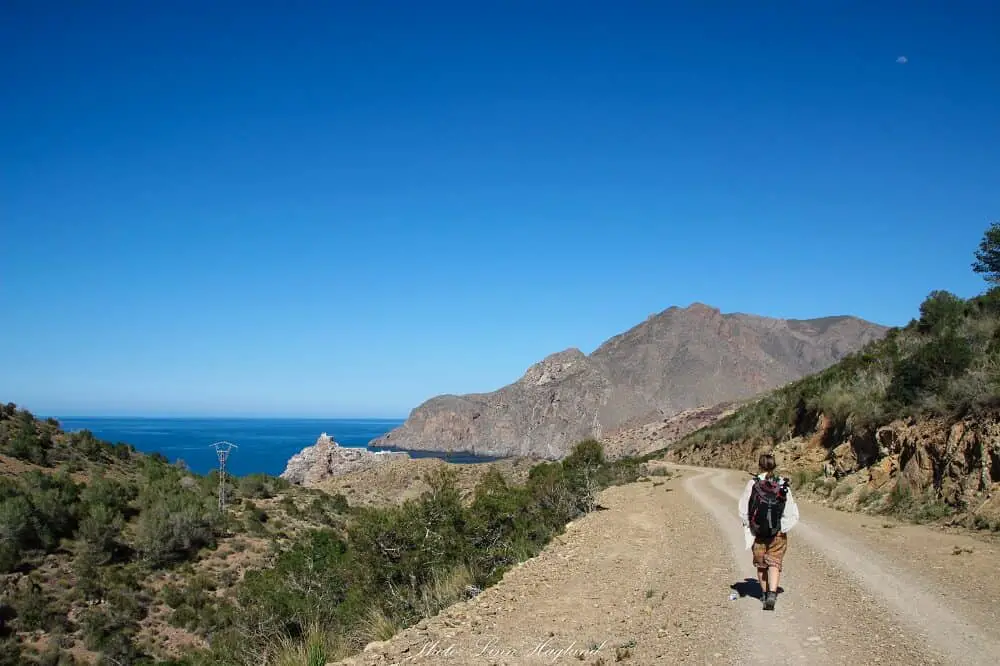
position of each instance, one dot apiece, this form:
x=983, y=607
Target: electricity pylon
x=222, y=449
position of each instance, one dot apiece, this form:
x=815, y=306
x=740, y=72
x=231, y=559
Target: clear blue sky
x=342, y=209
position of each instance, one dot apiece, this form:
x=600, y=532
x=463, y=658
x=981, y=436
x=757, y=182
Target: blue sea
x=263, y=445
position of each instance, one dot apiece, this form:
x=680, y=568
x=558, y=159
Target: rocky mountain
x=679, y=359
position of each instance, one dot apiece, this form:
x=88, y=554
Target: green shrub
x=86, y=570
x=931, y=510
x=116, y=496
x=843, y=489
x=921, y=508
x=100, y=529
x=55, y=502
x=195, y=606
x=941, y=311
x=939, y=359
x=255, y=486
x=255, y=513
x=23, y=437
x=339, y=504
x=111, y=628
x=824, y=486
x=10, y=652
x=15, y=531
x=803, y=478
x=33, y=610
x=175, y=521
x=868, y=498
x=306, y=585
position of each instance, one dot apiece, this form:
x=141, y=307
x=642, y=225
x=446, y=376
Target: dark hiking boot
x=769, y=599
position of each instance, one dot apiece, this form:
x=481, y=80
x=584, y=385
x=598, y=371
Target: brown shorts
x=770, y=553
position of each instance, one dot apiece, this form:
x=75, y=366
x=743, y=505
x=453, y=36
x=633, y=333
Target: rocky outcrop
x=638, y=440
x=397, y=480
x=325, y=459
x=954, y=462
x=677, y=360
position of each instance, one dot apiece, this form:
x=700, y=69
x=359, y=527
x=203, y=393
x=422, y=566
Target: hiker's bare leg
x=773, y=576
x=762, y=579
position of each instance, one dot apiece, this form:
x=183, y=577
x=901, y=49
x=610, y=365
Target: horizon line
x=221, y=416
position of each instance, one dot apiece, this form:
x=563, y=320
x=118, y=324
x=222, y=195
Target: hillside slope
x=679, y=359
x=110, y=554
x=908, y=425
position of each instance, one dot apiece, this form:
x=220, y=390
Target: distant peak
x=568, y=354
x=699, y=307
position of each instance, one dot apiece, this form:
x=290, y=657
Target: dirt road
x=647, y=581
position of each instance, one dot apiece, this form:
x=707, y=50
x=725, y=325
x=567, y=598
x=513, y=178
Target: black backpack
x=767, y=504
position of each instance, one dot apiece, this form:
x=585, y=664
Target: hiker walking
x=768, y=512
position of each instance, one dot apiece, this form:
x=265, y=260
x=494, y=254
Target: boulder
x=843, y=459
x=880, y=474
x=887, y=440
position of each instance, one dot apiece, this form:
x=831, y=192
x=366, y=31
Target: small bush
x=927, y=369
x=112, y=627
x=921, y=508
x=843, y=489
x=256, y=486
x=868, y=498
x=824, y=486
x=803, y=478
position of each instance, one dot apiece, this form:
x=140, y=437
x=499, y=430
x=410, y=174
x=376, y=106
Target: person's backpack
x=767, y=504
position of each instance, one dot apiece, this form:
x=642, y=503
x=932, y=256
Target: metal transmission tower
x=222, y=449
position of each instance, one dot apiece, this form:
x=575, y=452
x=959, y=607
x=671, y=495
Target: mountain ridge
x=680, y=358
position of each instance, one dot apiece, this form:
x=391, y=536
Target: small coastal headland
x=326, y=458
x=367, y=477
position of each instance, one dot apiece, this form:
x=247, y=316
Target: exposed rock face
x=677, y=360
x=648, y=437
x=326, y=459
x=955, y=462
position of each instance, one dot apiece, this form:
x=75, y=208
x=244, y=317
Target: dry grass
x=445, y=590
x=377, y=626
x=316, y=649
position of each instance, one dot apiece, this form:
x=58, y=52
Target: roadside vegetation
x=111, y=556
x=335, y=591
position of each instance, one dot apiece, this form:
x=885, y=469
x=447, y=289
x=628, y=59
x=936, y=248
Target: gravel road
x=647, y=581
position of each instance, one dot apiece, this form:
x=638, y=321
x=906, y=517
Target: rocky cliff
x=325, y=459
x=677, y=360
x=922, y=468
